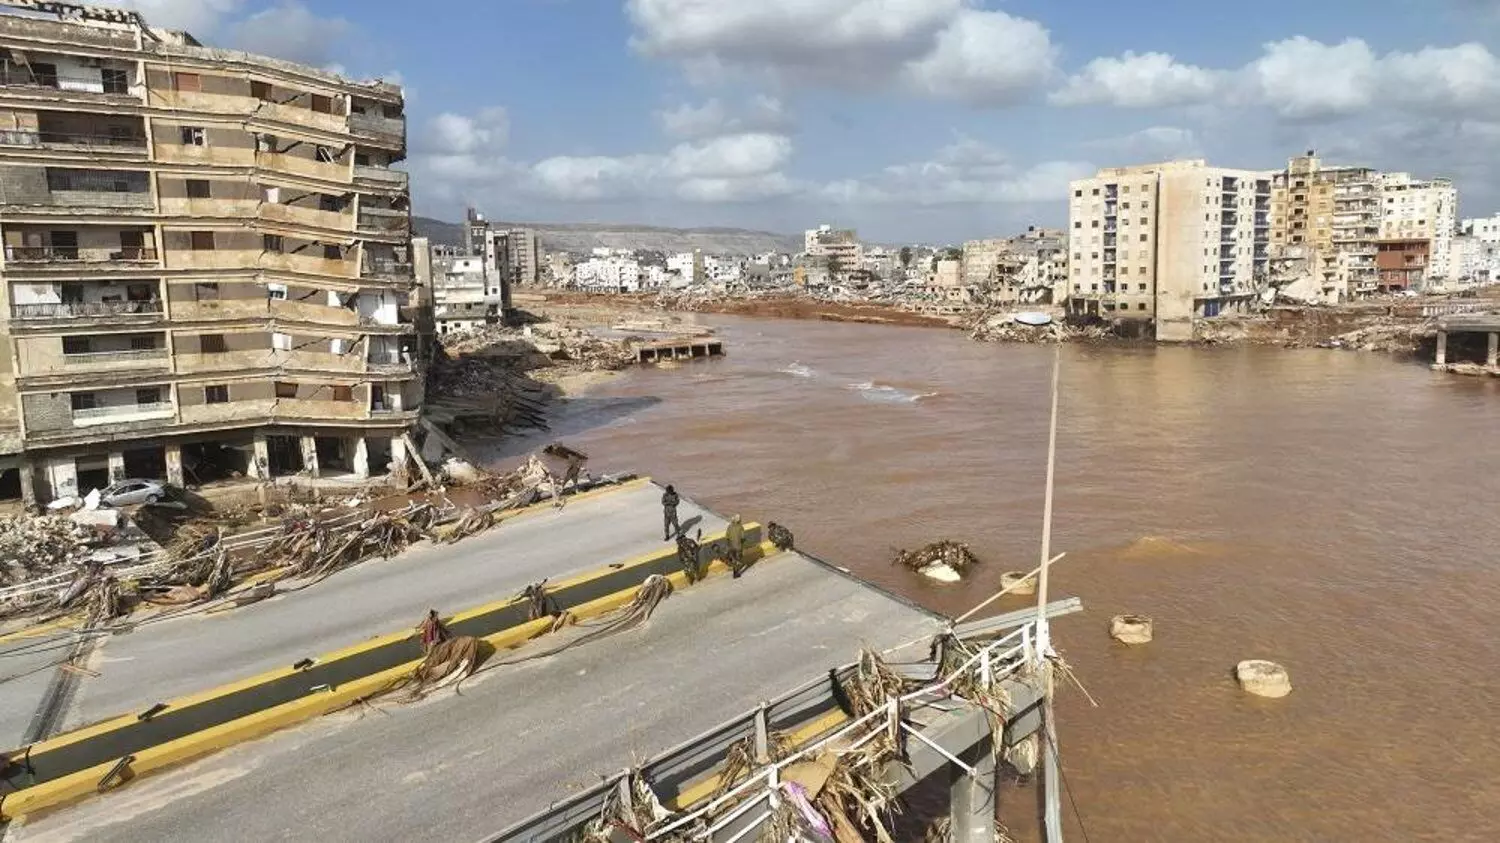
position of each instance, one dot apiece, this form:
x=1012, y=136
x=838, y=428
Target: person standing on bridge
x=734, y=538
x=670, y=525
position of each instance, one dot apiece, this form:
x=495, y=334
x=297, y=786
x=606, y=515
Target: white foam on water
x=871, y=391
x=798, y=370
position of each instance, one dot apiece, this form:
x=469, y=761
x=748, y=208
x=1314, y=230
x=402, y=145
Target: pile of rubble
x=1390, y=337
x=496, y=377
x=1002, y=327
x=37, y=546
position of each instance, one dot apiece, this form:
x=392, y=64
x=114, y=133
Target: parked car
x=129, y=492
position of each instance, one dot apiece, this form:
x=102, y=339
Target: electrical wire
x=1068, y=789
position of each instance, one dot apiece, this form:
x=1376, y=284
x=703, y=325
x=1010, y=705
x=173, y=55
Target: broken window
x=330, y=203
x=322, y=104
x=286, y=390
x=260, y=90
x=146, y=343
x=333, y=252
x=197, y=189
x=216, y=394
x=202, y=241
x=83, y=401
x=75, y=345
x=211, y=344
x=325, y=155
x=206, y=291
x=273, y=243
x=116, y=81
x=148, y=395
x=265, y=142
x=343, y=393
x=193, y=136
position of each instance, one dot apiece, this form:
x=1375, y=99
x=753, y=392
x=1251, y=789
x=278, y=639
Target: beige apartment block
x=207, y=262
x=1421, y=209
x=1160, y=246
x=1325, y=225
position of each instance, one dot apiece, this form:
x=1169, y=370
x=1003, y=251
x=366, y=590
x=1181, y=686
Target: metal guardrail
x=25, y=137
x=91, y=357
x=72, y=254
x=670, y=772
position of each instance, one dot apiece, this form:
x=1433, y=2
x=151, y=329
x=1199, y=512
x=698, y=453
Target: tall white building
x=688, y=266
x=1167, y=244
x=1476, y=252
x=1421, y=209
x=839, y=249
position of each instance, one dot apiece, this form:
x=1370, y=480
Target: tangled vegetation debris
x=955, y=555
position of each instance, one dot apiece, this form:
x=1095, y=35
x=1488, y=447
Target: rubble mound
x=945, y=561
x=35, y=546
x=1131, y=629
x=993, y=326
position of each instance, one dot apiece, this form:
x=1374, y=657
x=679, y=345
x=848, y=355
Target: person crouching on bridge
x=670, y=525
x=433, y=631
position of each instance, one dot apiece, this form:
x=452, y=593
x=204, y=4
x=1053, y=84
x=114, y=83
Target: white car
x=128, y=492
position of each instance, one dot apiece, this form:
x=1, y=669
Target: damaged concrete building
x=207, y=261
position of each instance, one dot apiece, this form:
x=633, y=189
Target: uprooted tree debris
x=203, y=564
x=955, y=555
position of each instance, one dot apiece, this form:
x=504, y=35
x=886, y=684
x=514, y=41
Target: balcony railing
x=91, y=358
x=26, y=137
x=377, y=124
x=391, y=221
x=123, y=411
x=78, y=83
x=381, y=267
x=380, y=174
x=59, y=254
x=79, y=309
x=390, y=364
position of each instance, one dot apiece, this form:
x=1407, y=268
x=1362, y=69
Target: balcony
x=379, y=126
x=384, y=220
x=122, y=359
x=391, y=364
x=79, y=140
x=384, y=176
x=386, y=268
x=74, y=254
x=85, y=310
x=330, y=170
x=121, y=413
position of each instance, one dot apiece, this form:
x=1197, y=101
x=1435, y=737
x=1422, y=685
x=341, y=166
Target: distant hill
x=581, y=237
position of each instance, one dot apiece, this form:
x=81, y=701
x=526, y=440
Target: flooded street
x=1331, y=511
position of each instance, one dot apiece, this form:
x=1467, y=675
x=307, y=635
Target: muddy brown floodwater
x=1332, y=511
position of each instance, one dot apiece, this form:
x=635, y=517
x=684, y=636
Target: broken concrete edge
x=123, y=720
x=84, y=783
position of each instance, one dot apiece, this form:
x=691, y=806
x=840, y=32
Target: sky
x=909, y=120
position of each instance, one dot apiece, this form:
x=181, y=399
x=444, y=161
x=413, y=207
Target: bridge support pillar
x=1493, y=357
x=971, y=798
x=1442, y=348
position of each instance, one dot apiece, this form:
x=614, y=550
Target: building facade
x=1165, y=244
x=1421, y=209
x=1325, y=224
x=1477, y=250
x=207, y=261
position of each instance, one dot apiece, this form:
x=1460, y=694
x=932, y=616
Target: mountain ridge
x=583, y=237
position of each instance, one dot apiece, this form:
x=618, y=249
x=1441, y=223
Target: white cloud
x=985, y=57
x=1155, y=143
x=1138, y=80
x=762, y=113
x=941, y=48
x=200, y=17
x=290, y=31
x=461, y=134
x=1303, y=78
x=730, y=156
x=967, y=172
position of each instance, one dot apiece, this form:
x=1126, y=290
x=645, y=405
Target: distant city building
x=836, y=250
x=1477, y=250
x=608, y=274
x=524, y=251
x=1166, y=244
x=688, y=267
x=1420, y=209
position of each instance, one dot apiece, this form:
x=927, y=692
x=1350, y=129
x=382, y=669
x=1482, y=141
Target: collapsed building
x=207, y=261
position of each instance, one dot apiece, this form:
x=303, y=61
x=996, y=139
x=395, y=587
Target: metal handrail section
x=693, y=759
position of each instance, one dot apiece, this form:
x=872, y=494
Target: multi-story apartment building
x=1421, y=209
x=1325, y=222
x=1476, y=252
x=206, y=266
x=1165, y=244
x=837, y=250
x=524, y=254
